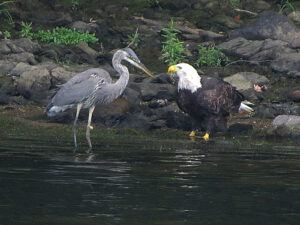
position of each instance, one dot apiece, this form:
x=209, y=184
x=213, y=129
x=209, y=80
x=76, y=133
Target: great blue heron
x=92, y=87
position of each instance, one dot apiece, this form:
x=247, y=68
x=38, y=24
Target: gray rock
x=60, y=75
x=20, y=68
x=6, y=67
x=286, y=63
x=244, y=82
x=241, y=47
x=34, y=83
x=271, y=25
x=285, y=126
x=25, y=57
x=82, y=26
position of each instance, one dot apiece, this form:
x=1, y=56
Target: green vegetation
x=59, y=35
x=7, y=35
x=5, y=11
x=26, y=30
x=133, y=39
x=235, y=3
x=211, y=57
x=172, y=49
x=285, y=4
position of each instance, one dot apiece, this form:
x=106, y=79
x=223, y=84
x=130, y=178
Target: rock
x=260, y=5
x=82, y=26
x=244, y=82
x=25, y=57
x=226, y=21
x=60, y=75
x=139, y=121
x=162, y=78
x=285, y=126
x=241, y=47
x=28, y=45
x=295, y=95
x=34, y=83
x=271, y=25
x=270, y=111
x=6, y=67
x=286, y=62
x=20, y=68
x=295, y=16
x=255, y=50
x=149, y=91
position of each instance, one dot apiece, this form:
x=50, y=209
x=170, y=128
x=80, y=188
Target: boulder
x=34, y=83
x=271, y=25
x=60, y=75
x=286, y=126
x=244, y=82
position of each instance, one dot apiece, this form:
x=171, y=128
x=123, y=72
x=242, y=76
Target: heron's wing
x=81, y=86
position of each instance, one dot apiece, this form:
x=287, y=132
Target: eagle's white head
x=188, y=77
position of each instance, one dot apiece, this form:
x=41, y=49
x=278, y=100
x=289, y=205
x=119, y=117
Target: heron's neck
x=123, y=80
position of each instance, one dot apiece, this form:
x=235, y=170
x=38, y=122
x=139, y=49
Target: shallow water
x=148, y=182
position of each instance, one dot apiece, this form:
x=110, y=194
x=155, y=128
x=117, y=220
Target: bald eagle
x=208, y=100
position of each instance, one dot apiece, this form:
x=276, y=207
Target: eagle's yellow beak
x=173, y=69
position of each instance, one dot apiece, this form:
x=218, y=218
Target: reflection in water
x=129, y=182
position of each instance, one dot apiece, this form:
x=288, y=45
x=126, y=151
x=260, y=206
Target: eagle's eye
x=179, y=67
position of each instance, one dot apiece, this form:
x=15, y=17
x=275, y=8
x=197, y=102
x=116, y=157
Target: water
x=148, y=182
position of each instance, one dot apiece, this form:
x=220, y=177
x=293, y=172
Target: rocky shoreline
x=264, y=53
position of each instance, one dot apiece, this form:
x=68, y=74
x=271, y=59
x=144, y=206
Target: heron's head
x=188, y=76
x=131, y=57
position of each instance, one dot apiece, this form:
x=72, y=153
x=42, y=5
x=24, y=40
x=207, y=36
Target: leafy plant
x=235, y=3
x=211, y=57
x=5, y=11
x=133, y=39
x=285, y=4
x=172, y=49
x=26, y=30
x=66, y=36
x=59, y=35
x=7, y=35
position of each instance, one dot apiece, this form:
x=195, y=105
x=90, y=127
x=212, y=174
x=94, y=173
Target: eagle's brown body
x=211, y=104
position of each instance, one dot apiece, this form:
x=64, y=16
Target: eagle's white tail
x=245, y=106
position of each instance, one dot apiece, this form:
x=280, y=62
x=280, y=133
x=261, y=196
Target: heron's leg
x=79, y=106
x=88, y=127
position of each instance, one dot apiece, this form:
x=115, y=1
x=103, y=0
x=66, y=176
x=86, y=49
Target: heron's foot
x=206, y=137
x=192, y=134
x=91, y=127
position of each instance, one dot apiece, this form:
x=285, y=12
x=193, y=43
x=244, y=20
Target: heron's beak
x=173, y=69
x=140, y=66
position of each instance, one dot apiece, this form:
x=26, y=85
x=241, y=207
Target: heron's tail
x=245, y=106
x=53, y=110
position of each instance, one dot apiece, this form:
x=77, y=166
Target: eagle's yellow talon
x=91, y=127
x=192, y=134
x=206, y=137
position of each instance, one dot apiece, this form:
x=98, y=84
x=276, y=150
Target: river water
x=129, y=181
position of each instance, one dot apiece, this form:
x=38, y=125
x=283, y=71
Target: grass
x=285, y=4
x=58, y=35
x=5, y=11
x=172, y=48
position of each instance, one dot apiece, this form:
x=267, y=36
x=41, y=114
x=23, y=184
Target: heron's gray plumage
x=81, y=87
x=92, y=87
